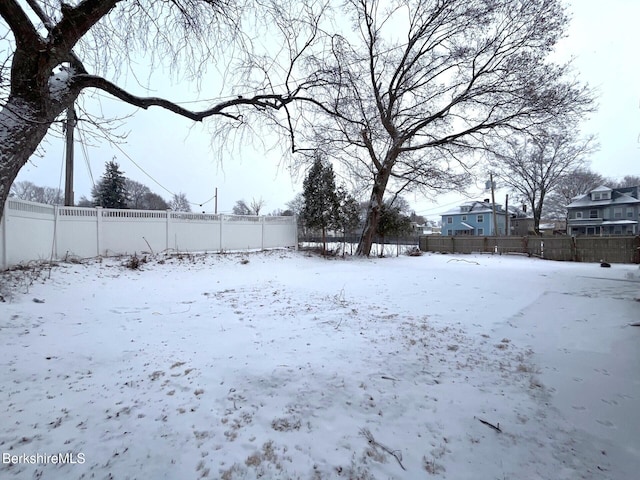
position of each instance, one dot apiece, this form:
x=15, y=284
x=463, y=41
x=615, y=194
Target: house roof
x=585, y=201
x=601, y=188
x=469, y=227
x=475, y=207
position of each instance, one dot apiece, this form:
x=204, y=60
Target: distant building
x=521, y=224
x=605, y=211
x=427, y=228
x=553, y=227
x=476, y=218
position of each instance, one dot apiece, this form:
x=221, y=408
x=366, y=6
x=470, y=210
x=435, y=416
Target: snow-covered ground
x=280, y=365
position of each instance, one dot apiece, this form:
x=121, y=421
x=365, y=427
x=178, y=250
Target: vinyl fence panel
x=32, y=231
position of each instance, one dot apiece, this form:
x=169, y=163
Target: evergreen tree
x=320, y=210
x=392, y=222
x=348, y=213
x=111, y=190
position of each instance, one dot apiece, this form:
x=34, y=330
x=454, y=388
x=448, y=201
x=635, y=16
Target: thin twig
x=394, y=453
x=462, y=260
x=148, y=245
x=495, y=427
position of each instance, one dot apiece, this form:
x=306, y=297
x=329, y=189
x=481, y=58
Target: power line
x=85, y=154
x=153, y=179
x=142, y=169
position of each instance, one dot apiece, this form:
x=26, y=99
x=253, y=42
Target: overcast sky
x=603, y=39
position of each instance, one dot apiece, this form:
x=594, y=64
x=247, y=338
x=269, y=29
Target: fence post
x=221, y=220
x=168, y=232
x=3, y=227
x=56, y=226
x=98, y=230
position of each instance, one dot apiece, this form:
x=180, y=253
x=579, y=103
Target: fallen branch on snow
x=462, y=260
x=495, y=427
x=394, y=453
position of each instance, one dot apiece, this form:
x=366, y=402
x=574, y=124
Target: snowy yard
x=278, y=365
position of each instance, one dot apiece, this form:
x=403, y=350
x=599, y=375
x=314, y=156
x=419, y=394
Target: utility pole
x=493, y=205
x=215, y=208
x=507, y=216
x=68, y=178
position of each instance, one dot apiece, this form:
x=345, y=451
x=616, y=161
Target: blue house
x=473, y=218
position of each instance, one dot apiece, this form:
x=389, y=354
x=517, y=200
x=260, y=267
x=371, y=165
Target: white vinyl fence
x=34, y=231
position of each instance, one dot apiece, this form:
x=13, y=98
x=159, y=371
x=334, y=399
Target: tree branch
x=264, y=101
x=35, y=6
x=77, y=21
x=23, y=30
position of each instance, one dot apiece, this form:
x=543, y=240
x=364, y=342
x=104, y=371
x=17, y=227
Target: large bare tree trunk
x=373, y=212
x=22, y=128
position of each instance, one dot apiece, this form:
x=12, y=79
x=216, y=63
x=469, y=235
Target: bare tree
x=627, y=181
x=256, y=205
x=136, y=193
x=241, y=208
x=26, y=190
x=296, y=205
x=139, y=196
x=179, y=203
x=53, y=51
x=405, y=97
x=576, y=182
x=153, y=201
x=534, y=166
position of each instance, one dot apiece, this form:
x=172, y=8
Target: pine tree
x=321, y=204
x=392, y=222
x=348, y=214
x=111, y=190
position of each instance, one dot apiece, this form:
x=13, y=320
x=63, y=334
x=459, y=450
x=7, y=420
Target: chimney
x=486, y=200
x=524, y=208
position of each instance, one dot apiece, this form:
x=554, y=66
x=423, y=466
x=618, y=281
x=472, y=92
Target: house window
x=596, y=196
x=449, y=219
x=481, y=231
x=606, y=196
x=629, y=212
x=480, y=219
x=464, y=218
x=578, y=214
x=593, y=213
x=617, y=212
